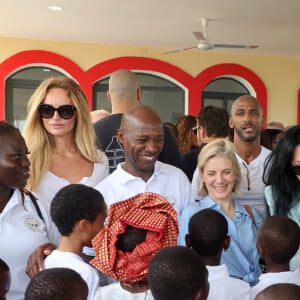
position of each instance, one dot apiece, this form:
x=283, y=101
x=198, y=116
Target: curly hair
x=42, y=143
x=278, y=172
x=186, y=134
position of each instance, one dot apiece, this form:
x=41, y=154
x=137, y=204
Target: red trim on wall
x=86, y=79
x=22, y=59
x=209, y=74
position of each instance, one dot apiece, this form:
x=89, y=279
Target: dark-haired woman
x=283, y=180
x=24, y=222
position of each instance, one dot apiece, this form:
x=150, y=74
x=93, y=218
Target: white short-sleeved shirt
x=116, y=292
x=50, y=184
x=21, y=232
x=166, y=180
x=268, y=279
x=224, y=287
x=252, y=186
x=62, y=259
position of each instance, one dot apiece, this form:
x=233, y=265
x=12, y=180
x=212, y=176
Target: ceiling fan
x=205, y=44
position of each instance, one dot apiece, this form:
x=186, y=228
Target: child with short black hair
x=277, y=242
x=208, y=236
x=178, y=273
x=4, y=279
x=282, y=291
x=57, y=284
x=79, y=213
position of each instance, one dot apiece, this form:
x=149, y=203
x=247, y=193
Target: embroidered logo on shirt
x=33, y=225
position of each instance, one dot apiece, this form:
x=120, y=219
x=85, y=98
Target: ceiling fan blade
x=179, y=50
x=236, y=46
x=199, y=35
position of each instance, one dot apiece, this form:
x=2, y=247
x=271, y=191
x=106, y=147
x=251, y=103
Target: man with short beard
x=247, y=120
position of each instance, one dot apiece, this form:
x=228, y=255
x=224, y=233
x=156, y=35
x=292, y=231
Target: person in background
x=79, y=213
x=278, y=240
x=61, y=139
x=57, y=284
x=99, y=114
x=220, y=178
x=25, y=223
x=207, y=235
x=283, y=180
x=282, y=291
x=187, y=139
x=247, y=120
x=178, y=273
x=124, y=93
x=5, y=279
x=212, y=123
x=173, y=129
x=270, y=137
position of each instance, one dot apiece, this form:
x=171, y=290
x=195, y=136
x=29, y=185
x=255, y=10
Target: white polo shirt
x=166, y=180
x=21, y=232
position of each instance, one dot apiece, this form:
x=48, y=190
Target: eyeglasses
x=65, y=111
x=196, y=128
x=296, y=170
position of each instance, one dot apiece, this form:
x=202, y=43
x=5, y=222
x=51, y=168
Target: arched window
x=163, y=95
x=222, y=92
x=19, y=88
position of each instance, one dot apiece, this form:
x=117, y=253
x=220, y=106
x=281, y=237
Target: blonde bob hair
x=41, y=143
x=218, y=147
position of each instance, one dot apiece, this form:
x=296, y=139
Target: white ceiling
x=274, y=25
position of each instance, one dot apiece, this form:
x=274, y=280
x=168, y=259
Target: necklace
x=61, y=153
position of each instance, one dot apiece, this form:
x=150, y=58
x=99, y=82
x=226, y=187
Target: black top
x=107, y=141
x=189, y=161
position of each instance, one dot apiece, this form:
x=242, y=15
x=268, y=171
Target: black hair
x=176, y=273
x=56, y=284
x=73, y=203
x=215, y=120
x=278, y=172
x=284, y=291
x=208, y=230
x=280, y=237
x=3, y=266
x=6, y=129
x=131, y=238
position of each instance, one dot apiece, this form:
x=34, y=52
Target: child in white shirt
x=278, y=241
x=79, y=213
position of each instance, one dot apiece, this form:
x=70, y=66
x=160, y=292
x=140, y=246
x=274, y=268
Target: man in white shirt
x=142, y=136
x=247, y=120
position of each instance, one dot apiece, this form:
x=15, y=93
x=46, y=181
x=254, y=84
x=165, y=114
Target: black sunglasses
x=296, y=170
x=64, y=111
x=195, y=129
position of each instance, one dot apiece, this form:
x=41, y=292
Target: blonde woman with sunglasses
x=61, y=139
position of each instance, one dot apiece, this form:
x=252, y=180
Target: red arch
x=209, y=74
x=24, y=58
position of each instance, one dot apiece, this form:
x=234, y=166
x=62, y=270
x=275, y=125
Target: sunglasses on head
x=296, y=170
x=65, y=111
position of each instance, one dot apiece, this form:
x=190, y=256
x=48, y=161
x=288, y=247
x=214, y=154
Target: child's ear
x=261, y=251
x=227, y=242
x=83, y=225
x=188, y=241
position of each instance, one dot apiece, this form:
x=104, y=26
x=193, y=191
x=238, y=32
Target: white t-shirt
x=21, y=232
x=224, y=287
x=252, y=186
x=166, y=180
x=268, y=279
x=62, y=259
x=50, y=184
x=116, y=292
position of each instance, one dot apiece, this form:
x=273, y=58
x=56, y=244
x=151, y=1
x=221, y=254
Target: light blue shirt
x=241, y=258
